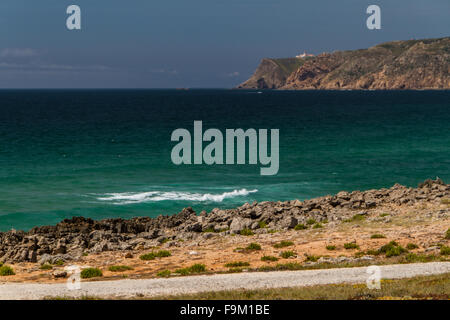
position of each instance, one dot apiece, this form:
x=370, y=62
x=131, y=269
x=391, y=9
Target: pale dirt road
x=194, y=284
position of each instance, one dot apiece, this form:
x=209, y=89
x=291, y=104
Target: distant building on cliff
x=304, y=55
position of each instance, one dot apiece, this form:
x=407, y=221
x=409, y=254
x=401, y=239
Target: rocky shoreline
x=73, y=238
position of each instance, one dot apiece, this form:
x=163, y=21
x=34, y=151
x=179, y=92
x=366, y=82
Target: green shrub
x=237, y=264
x=1, y=264
x=283, y=244
x=46, y=266
x=197, y=268
x=351, y=245
x=317, y=226
x=183, y=271
x=377, y=236
x=311, y=221
x=59, y=262
x=157, y=254
x=119, y=268
x=262, y=224
x=372, y=252
x=445, y=251
x=447, y=234
x=384, y=215
x=148, y=256
x=312, y=258
x=253, y=246
x=300, y=226
x=6, y=271
x=246, y=232
x=331, y=247
x=269, y=258
x=91, y=273
x=164, y=273
x=289, y=266
x=356, y=218
x=287, y=254
x=392, y=249
x=411, y=246
x=210, y=229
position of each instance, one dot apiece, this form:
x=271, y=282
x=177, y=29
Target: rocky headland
x=411, y=64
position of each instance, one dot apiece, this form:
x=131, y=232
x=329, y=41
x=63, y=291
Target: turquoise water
x=106, y=153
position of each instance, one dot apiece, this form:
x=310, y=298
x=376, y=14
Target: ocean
x=107, y=153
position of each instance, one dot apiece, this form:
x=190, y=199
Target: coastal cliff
x=411, y=64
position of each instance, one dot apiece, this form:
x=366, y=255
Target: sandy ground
x=193, y=284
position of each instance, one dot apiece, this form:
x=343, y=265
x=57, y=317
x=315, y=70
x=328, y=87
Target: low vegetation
x=119, y=268
x=6, y=271
x=287, y=254
x=155, y=254
x=377, y=236
x=411, y=246
x=447, y=234
x=269, y=258
x=237, y=264
x=196, y=268
x=300, y=226
x=445, y=251
x=253, y=246
x=46, y=266
x=351, y=245
x=283, y=244
x=331, y=247
x=164, y=273
x=91, y=273
x=317, y=226
x=356, y=218
x=246, y=232
x=310, y=222
x=392, y=249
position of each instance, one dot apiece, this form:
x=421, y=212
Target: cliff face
x=272, y=73
x=413, y=64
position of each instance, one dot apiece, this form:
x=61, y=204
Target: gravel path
x=194, y=284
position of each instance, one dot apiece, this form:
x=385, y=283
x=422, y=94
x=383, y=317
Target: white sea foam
x=151, y=196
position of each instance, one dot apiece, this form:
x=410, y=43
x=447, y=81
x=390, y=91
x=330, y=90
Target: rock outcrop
x=71, y=238
x=412, y=64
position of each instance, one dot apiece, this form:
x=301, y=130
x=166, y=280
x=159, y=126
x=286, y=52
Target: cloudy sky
x=195, y=43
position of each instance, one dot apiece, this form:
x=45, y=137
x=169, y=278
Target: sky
x=189, y=43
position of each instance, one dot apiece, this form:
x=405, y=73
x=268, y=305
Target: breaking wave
x=151, y=196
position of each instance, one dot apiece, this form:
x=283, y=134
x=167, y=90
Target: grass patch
x=447, y=234
x=246, y=232
x=253, y=246
x=310, y=222
x=59, y=262
x=155, y=254
x=237, y=264
x=312, y=258
x=424, y=287
x=330, y=247
x=392, y=249
x=283, y=244
x=91, y=273
x=164, y=274
x=287, y=254
x=351, y=245
x=46, y=266
x=356, y=218
x=6, y=271
x=262, y=224
x=411, y=246
x=300, y=226
x=196, y=268
x=377, y=236
x=317, y=226
x=269, y=258
x=445, y=251
x=384, y=215
x=119, y=268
